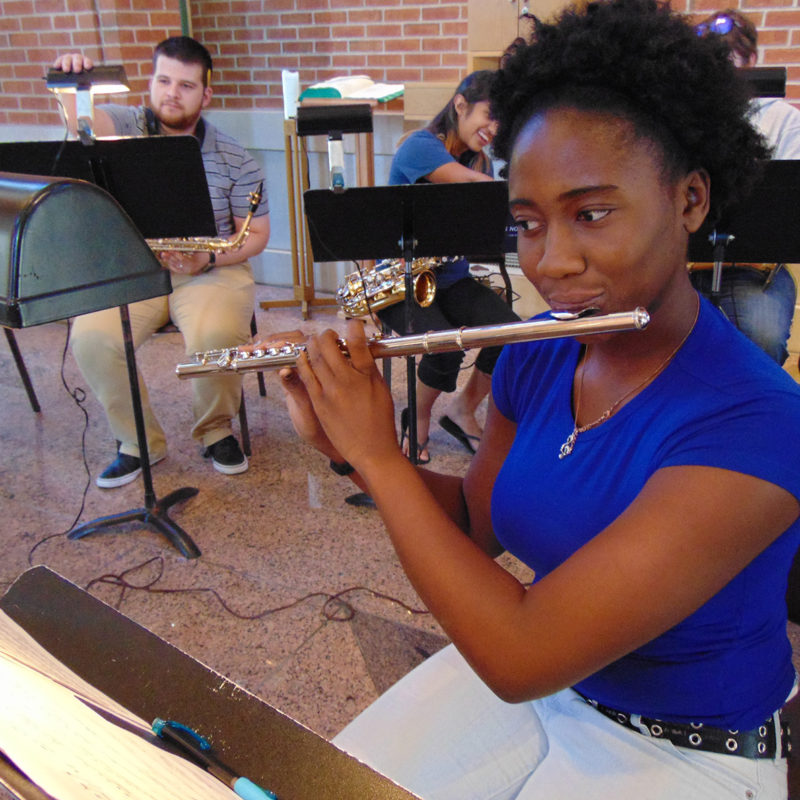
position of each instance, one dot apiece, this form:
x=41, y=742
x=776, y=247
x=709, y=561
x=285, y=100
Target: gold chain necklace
x=569, y=444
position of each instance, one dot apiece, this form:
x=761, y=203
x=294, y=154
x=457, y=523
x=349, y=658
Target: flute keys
x=226, y=358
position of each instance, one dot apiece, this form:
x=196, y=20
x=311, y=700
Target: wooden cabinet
x=493, y=24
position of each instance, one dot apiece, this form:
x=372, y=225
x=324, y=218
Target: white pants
x=442, y=734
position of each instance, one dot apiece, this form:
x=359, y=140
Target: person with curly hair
x=759, y=299
x=451, y=149
x=642, y=475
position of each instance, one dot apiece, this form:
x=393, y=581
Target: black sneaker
x=123, y=469
x=226, y=456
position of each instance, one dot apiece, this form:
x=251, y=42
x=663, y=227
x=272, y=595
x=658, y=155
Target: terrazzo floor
x=277, y=541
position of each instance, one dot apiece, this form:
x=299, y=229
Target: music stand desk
x=151, y=678
x=159, y=181
x=297, y=182
x=408, y=221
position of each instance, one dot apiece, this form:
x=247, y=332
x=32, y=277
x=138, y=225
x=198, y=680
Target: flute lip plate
x=568, y=315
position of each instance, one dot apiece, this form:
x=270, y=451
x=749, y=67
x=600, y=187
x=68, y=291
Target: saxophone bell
x=385, y=284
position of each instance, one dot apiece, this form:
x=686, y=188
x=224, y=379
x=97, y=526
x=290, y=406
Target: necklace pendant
x=569, y=445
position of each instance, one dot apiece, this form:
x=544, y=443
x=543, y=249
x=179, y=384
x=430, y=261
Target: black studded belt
x=761, y=742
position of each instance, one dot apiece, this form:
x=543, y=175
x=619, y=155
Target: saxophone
x=208, y=244
x=385, y=284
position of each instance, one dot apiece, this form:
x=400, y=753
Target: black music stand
x=158, y=180
x=408, y=222
x=764, y=227
x=144, y=180
x=152, y=678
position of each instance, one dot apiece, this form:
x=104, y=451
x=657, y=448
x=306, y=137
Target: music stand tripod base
x=156, y=516
x=154, y=511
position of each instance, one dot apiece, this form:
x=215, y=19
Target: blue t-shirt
x=721, y=402
x=420, y=154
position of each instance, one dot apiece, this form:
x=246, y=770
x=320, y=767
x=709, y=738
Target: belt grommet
x=695, y=739
x=732, y=745
x=656, y=730
x=762, y=748
x=762, y=731
x=622, y=717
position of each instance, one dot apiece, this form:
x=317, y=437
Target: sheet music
x=55, y=727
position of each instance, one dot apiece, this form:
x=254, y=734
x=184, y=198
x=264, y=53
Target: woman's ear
x=460, y=104
x=695, y=195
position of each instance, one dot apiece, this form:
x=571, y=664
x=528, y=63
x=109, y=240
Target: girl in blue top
x=451, y=149
x=644, y=476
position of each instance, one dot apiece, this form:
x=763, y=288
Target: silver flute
x=234, y=359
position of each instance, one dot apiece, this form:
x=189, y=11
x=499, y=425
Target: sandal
x=457, y=432
x=404, y=432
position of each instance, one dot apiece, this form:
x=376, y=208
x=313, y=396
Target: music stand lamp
x=106, y=79
x=102, y=80
x=157, y=186
x=408, y=222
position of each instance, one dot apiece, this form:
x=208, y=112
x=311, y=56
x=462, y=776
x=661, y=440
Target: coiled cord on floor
x=335, y=607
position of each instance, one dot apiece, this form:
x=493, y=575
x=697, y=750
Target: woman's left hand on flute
x=341, y=405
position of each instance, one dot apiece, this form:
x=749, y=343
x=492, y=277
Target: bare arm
x=368, y=422
x=530, y=643
x=453, y=172
x=701, y=524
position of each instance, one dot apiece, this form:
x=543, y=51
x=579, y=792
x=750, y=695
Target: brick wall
x=778, y=25
x=33, y=32
x=253, y=40
x=390, y=40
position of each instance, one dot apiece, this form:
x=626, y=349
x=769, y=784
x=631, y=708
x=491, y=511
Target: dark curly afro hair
x=638, y=60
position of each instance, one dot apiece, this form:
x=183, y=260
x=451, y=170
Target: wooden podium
x=297, y=182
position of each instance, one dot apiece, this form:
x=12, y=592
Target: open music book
x=74, y=742
x=356, y=87
x=80, y=685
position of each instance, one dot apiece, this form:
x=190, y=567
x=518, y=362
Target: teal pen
x=199, y=748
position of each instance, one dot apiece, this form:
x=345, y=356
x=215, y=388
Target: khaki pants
x=212, y=310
